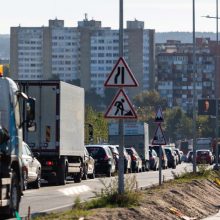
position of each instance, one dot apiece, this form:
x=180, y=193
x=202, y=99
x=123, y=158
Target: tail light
x=49, y=163
x=106, y=157
x=133, y=157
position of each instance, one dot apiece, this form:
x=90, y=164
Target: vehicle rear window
x=200, y=153
x=96, y=152
x=129, y=151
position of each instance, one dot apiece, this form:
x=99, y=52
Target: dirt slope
x=195, y=200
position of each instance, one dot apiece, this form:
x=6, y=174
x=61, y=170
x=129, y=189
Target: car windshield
x=96, y=152
x=168, y=151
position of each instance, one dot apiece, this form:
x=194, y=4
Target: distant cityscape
x=88, y=52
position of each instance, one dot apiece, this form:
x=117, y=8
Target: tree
x=177, y=124
x=99, y=126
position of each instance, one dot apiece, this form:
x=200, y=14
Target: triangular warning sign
x=120, y=107
x=159, y=138
x=159, y=116
x=121, y=75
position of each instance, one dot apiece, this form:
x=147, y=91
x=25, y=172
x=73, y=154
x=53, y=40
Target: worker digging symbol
x=118, y=75
x=120, y=107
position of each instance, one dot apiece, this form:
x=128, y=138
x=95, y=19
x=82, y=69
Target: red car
x=204, y=156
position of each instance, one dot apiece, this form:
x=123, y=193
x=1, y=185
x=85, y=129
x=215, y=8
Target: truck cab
x=11, y=181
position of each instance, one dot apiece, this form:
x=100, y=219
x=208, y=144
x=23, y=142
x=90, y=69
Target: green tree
x=177, y=124
x=99, y=125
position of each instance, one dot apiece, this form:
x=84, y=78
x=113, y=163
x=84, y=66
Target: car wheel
x=25, y=180
x=37, y=182
x=85, y=173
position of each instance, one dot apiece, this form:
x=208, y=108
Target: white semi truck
x=136, y=134
x=11, y=180
x=58, y=135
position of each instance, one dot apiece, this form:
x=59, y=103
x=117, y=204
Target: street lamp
x=216, y=85
x=194, y=90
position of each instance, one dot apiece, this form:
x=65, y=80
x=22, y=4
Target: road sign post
x=120, y=108
x=159, y=139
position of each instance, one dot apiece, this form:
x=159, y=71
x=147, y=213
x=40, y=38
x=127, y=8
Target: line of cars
x=170, y=156
x=103, y=159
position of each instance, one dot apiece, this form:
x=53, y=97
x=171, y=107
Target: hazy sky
x=161, y=15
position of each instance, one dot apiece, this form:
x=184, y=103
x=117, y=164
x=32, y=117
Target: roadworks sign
x=120, y=107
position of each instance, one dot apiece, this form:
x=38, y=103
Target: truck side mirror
x=30, y=114
x=30, y=109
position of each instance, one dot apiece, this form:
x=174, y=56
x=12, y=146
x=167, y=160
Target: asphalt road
x=57, y=198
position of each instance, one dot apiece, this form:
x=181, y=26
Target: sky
x=161, y=15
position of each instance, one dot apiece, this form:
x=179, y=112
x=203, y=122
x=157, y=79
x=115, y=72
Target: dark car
x=204, y=156
x=136, y=161
x=127, y=161
x=89, y=166
x=154, y=160
x=164, y=156
x=171, y=157
x=189, y=157
x=104, y=161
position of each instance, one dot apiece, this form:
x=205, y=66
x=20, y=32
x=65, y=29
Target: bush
x=109, y=196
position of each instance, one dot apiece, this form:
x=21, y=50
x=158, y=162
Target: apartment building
x=87, y=53
x=175, y=73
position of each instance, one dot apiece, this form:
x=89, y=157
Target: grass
x=109, y=196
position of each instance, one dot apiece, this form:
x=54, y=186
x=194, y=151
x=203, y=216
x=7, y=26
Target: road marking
x=75, y=190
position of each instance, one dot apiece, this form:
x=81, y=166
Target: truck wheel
x=62, y=173
x=78, y=177
x=14, y=199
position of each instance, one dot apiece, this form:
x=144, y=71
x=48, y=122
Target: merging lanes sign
x=121, y=76
x=120, y=107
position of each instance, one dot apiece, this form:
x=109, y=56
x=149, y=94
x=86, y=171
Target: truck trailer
x=58, y=136
x=136, y=135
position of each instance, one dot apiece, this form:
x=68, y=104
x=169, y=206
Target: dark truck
x=11, y=179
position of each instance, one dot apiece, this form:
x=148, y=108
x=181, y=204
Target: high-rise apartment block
x=87, y=53
x=175, y=72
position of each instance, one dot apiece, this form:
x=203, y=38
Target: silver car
x=31, y=168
